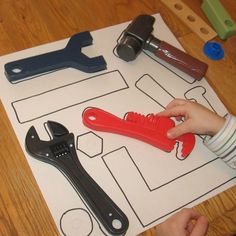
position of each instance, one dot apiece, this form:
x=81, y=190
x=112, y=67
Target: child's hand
x=197, y=118
x=186, y=222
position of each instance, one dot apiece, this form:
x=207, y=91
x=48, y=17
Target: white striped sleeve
x=223, y=144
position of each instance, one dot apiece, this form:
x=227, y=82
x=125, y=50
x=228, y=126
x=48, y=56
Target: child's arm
x=200, y=120
x=183, y=223
x=223, y=144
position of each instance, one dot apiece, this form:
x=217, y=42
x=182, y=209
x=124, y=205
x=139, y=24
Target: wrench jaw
x=82, y=39
x=48, y=151
x=35, y=147
x=187, y=142
x=56, y=129
x=80, y=61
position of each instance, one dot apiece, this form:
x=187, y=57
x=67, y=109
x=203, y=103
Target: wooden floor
x=28, y=23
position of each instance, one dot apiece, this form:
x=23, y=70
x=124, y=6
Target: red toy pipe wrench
x=151, y=129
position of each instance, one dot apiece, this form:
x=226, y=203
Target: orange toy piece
x=151, y=128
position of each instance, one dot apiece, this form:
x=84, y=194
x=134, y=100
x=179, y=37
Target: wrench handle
x=32, y=66
x=181, y=60
x=108, y=213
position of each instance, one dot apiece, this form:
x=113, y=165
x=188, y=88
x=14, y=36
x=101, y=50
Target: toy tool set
x=109, y=165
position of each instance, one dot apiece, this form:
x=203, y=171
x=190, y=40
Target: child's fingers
x=174, y=111
x=201, y=226
x=180, y=129
x=176, y=102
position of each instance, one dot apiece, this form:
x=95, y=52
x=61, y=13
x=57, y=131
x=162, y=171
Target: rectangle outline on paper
x=61, y=87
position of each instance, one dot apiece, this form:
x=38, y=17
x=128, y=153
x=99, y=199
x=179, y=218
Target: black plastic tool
x=70, y=56
x=60, y=152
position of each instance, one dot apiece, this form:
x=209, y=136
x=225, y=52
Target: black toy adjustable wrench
x=60, y=152
x=70, y=56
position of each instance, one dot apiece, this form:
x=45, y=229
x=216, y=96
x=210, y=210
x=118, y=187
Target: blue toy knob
x=213, y=50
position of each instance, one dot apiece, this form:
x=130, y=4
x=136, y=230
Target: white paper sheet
x=146, y=183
